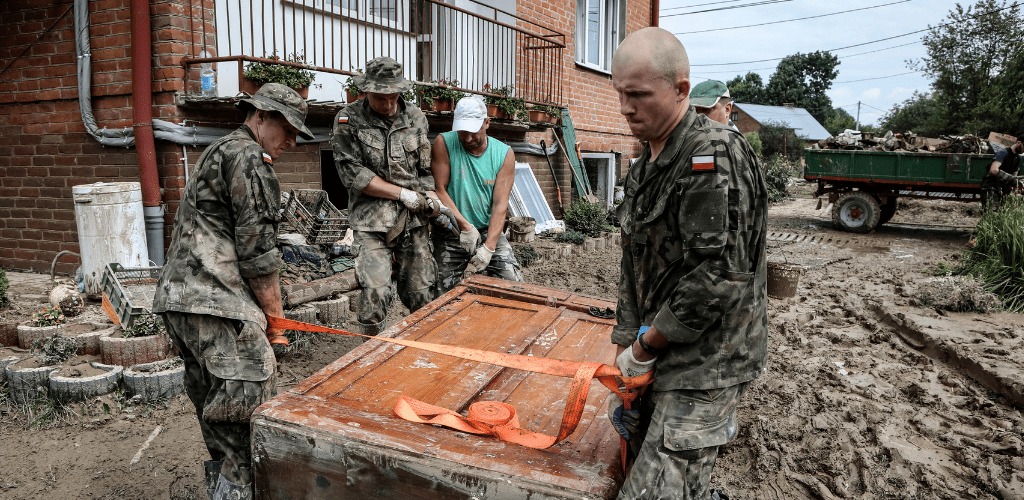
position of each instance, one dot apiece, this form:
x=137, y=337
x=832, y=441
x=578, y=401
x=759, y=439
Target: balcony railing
x=472, y=48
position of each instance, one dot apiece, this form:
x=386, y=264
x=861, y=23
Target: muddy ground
x=869, y=394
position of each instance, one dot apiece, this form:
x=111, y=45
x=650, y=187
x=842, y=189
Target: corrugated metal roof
x=805, y=125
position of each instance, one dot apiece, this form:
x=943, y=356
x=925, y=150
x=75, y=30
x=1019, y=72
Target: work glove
x=278, y=342
x=444, y=220
x=412, y=200
x=1005, y=176
x=479, y=262
x=626, y=421
x=469, y=240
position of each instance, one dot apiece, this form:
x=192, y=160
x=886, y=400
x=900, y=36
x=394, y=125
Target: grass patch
x=996, y=252
x=525, y=254
x=570, y=236
x=958, y=294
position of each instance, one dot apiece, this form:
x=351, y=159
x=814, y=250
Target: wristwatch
x=643, y=345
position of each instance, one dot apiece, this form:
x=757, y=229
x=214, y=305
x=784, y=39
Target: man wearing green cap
x=382, y=155
x=711, y=99
x=221, y=281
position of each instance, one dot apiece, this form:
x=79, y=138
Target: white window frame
x=611, y=18
x=608, y=178
x=362, y=12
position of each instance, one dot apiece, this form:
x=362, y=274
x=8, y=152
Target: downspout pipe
x=145, y=147
x=655, y=8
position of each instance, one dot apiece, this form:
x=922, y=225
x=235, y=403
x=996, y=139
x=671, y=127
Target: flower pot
x=440, y=105
x=250, y=87
x=541, y=116
x=494, y=112
x=135, y=350
x=350, y=97
x=28, y=333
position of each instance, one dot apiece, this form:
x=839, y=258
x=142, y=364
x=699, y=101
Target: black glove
x=625, y=421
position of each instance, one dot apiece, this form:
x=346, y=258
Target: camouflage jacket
x=225, y=231
x=365, y=146
x=694, y=257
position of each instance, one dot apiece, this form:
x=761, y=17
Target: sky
x=866, y=78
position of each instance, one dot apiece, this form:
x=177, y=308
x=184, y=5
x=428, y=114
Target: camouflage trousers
x=452, y=260
x=229, y=371
x=992, y=192
x=374, y=264
x=677, y=445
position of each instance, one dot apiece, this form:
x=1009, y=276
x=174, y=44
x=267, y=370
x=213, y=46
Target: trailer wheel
x=888, y=210
x=856, y=212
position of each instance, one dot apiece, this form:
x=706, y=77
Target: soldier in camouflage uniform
x=692, y=299
x=382, y=155
x=220, y=281
x=473, y=175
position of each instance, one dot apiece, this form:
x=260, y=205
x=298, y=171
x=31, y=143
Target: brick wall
x=745, y=122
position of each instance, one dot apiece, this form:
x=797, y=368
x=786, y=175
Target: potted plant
x=352, y=91
x=438, y=97
x=144, y=341
x=504, y=105
x=42, y=324
x=545, y=113
x=258, y=73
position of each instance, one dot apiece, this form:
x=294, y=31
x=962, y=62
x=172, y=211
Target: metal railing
x=470, y=49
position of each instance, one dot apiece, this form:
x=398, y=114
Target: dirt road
x=868, y=394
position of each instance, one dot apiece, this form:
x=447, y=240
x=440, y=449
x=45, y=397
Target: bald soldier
x=692, y=302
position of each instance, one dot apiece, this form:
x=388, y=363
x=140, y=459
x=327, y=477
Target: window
x=735, y=116
x=600, y=169
x=377, y=11
x=599, y=29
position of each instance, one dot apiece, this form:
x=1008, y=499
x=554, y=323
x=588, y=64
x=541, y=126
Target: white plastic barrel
x=111, y=228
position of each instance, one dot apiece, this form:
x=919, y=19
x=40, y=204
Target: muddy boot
x=371, y=329
x=717, y=494
x=211, y=471
x=226, y=490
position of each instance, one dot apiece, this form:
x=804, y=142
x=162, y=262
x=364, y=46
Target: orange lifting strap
x=495, y=418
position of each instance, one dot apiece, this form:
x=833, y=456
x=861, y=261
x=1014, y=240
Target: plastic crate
x=313, y=216
x=130, y=290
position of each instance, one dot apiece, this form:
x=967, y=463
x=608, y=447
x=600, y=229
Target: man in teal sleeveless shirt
x=473, y=175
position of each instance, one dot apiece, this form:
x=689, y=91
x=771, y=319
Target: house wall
x=745, y=122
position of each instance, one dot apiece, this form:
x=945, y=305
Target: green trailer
x=863, y=186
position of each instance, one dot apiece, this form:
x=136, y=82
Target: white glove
x=412, y=200
x=469, y=240
x=479, y=262
x=630, y=367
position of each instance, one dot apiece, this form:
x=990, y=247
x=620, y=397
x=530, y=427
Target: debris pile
x=909, y=142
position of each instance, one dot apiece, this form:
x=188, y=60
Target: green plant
x=941, y=269
x=755, y=142
x=55, y=349
x=439, y=91
x=587, y=218
x=550, y=109
x=779, y=138
x=292, y=76
x=49, y=316
x=525, y=254
x=408, y=96
x=4, y=284
x=778, y=172
x=996, y=251
x=570, y=236
x=350, y=84
x=514, y=107
x=143, y=326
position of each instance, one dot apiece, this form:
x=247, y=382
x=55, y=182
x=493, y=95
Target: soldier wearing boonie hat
x=711, y=98
x=473, y=174
x=382, y=155
x=221, y=281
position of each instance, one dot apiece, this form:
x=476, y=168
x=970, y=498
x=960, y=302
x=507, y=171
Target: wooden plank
x=336, y=435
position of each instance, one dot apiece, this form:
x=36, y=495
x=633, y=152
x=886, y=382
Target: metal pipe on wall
x=145, y=147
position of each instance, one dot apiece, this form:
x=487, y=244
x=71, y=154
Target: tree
x=971, y=57
x=748, y=89
x=803, y=79
x=838, y=121
x=778, y=138
x=921, y=114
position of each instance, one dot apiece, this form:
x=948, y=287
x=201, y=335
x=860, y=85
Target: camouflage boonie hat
x=284, y=100
x=383, y=76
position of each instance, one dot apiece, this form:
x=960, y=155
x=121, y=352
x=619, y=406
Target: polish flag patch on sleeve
x=703, y=163
x=342, y=119
x=267, y=159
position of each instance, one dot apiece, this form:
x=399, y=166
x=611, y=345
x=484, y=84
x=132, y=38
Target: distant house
x=750, y=117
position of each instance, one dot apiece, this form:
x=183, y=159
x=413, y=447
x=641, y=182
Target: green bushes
x=778, y=139
x=589, y=219
x=570, y=236
x=996, y=253
x=755, y=142
x=4, y=284
x=778, y=172
x=143, y=326
x=525, y=254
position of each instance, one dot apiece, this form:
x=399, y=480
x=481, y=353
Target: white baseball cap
x=470, y=113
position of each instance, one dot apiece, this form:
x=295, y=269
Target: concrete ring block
x=157, y=380
x=133, y=351
x=25, y=383
x=27, y=334
x=66, y=388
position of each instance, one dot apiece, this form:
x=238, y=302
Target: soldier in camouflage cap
x=692, y=300
x=382, y=155
x=220, y=281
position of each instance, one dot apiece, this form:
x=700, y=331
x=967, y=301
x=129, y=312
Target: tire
x=152, y=381
x=888, y=210
x=856, y=212
x=69, y=389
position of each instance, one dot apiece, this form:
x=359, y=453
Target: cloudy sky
x=877, y=79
